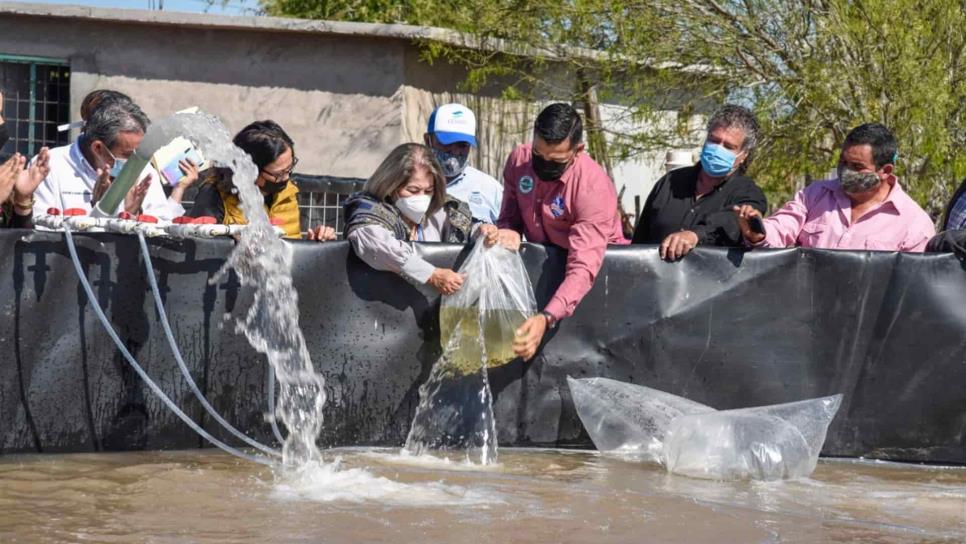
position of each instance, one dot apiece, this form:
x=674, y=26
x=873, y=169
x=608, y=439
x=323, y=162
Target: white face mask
x=414, y=207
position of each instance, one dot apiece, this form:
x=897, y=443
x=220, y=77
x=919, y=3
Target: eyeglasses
x=282, y=176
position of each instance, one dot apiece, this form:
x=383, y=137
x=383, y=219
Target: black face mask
x=548, y=170
x=272, y=188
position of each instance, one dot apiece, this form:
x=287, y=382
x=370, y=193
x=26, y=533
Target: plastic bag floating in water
x=628, y=419
x=762, y=443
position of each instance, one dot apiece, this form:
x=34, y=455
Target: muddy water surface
x=532, y=496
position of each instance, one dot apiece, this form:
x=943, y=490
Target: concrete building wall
x=347, y=93
x=339, y=99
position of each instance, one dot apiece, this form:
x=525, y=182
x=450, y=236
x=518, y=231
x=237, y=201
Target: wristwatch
x=551, y=320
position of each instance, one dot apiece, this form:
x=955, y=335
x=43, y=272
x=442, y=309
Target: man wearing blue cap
x=451, y=133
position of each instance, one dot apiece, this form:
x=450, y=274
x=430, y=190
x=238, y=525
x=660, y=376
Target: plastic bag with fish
x=477, y=326
x=495, y=299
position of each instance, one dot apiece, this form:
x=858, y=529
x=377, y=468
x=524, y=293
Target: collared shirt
x=672, y=207
x=76, y=178
x=481, y=191
x=578, y=212
x=957, y=214
x=820, y=216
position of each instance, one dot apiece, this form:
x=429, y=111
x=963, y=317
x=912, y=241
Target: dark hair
x=558, y=122
x=879, y=138
x=101, y=98
x=740, y=117
x=264, y=141
x=106, y=121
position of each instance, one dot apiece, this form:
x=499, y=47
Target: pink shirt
x=821, y=216
x=578, y=212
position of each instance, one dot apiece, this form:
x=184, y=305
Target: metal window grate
x=36, y=99
x=320, y=200
x=322, y=209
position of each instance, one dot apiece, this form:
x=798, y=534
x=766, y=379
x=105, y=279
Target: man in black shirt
x=693, y=205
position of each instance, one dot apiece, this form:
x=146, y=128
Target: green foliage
x=373, y=11
x=811, y=69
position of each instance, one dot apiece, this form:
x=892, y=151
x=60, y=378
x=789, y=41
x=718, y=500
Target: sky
x=234, y=7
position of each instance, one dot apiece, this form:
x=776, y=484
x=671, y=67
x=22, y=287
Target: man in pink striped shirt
x=865, y=208
x=553, y=192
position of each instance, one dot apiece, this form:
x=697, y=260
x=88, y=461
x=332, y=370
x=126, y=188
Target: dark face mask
x=272, y=188
x=548, y=170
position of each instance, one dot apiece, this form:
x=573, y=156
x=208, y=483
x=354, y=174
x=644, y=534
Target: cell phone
x=756, y=224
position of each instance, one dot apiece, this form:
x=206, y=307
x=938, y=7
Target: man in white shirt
x=451, y=133
x=82, y=171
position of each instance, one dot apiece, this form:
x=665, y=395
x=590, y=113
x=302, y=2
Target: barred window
x=320, y=199
x=36, y=100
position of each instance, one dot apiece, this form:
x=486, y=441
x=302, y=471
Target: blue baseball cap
x=452, y=123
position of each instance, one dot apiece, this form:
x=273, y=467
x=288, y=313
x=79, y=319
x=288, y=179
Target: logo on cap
x=452, y=123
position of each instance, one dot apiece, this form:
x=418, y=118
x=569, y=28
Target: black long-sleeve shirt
x=672, y=207
x=208, y=202
x=11, y=220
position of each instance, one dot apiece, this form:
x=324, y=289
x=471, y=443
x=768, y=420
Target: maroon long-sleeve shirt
x=578, y=212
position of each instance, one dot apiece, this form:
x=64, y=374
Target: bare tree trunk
x=596, y=139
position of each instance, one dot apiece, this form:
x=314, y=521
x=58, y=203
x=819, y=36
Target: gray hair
x=107, y=122
x=396, y=170
x=734, y=116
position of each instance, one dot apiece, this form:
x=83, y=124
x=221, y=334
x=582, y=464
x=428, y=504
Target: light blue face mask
x=117, y=166
x=716, y=160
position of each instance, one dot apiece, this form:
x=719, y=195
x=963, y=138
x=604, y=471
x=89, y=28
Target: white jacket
x=75, y=177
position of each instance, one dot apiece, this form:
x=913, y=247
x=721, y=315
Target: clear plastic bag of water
x=776, y=442
x=477, y=326
x=495, y=299
x=781, y=441
x=627, y=419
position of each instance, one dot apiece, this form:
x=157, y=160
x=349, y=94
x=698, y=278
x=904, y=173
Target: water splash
x=332, y=482
x=455, y=412
x=264, y=262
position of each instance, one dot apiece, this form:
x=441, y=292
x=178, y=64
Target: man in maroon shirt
x=554, y=193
